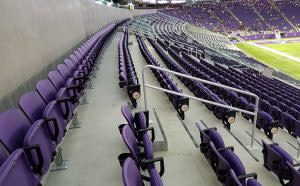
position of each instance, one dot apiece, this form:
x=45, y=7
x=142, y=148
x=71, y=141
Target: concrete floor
x=94, y=148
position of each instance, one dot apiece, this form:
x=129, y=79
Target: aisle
x=94, y=148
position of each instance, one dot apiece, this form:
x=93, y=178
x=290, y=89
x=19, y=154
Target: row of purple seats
x=140, y=156
x=198, y=88
x=265, y=121
x=283, y=115
x=127, y=73
x=226, y=164
x=281, y=164
x=180, y=103
x=31, y=135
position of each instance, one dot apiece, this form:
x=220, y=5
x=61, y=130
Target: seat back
x=53, y=113
x=13, y=128
x=127, y=114
x=74, y=59
x=271, y=157
x=232, y=179
x=46, y=90
x=148, y=146
x=16, y=170
x=130, y=141
x=211, y=134
x=32, y=105
x=219, y=164
x=234, y=162
x=131, y=174
x=141, y=121
x=66, y=106
x=71, y=66
x=37, y=135
x=64, y=71
x=155, y=178
x=56, y=79
x=294, y=178
x=264, y=119
x=78, y=55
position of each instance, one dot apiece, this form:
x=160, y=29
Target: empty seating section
x=127, y=73
x=141, y=155
x=278, y=105
x=231, y=16
x=181, y=104
x=226, y=164
x=247, y=15
x=291, y=10
x=31, y=135
x=199, y=89
x=174, y=32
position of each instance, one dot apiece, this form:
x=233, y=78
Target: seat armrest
x=147, y=129
x=296, y=165
x=48, y=121
x=226, y=148
x=37, y=167
x=146, y=113
x=162, y=164
x=214, y=128
x=254, y=175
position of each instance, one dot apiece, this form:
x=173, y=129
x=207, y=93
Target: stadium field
x=281, y=55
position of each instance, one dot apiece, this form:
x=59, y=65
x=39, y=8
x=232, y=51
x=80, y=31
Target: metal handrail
x=200, y=99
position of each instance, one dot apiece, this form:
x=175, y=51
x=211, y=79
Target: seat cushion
x=234, y=162
x=283, y=154
x=216, y=139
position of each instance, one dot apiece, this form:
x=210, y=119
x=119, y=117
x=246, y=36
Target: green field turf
x=292, y=49
x=273, y=60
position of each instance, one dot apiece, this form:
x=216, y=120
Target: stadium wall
x=37, y=35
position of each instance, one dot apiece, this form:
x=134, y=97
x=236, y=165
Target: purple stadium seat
x=139, y=123
x=266, y=122
x=133, y=145
x=294, y=175
x=233, y=180
x=276, y=159
x=209, y=135
x=17, y=171
x=56, y=79
x=53, y=115
x=13, y=128
x=70, y=65
x=46, y=90
x=32, y=105
x=132, y=176
x=64, y=71
x=37, y=136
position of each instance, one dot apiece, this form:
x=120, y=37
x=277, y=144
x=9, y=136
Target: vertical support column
x=298, y=150
x=252, y=146
x=75, y=123
x=144, y=89
x=59, y=162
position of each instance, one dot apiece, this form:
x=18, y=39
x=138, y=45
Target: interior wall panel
x=36, y=35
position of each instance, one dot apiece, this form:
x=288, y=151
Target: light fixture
x=136, y=95
x=184, y=108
